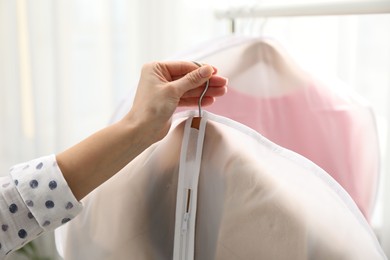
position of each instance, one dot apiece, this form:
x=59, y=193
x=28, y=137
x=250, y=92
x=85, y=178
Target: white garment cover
x=256, y=200
x=323, y=120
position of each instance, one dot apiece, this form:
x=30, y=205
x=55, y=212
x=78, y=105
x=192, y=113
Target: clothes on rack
x=325, y=122
x=255, y=200
x=270, y=92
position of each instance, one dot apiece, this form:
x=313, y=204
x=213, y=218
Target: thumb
x=194, y=79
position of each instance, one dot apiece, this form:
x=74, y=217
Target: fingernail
x=206, y=71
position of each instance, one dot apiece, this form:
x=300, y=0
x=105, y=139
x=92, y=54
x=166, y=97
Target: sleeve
x=35, y=198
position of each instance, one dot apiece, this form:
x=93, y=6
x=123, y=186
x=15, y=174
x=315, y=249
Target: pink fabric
x=333, y=131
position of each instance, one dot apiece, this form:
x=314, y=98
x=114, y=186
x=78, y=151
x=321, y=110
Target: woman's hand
x=164, y=86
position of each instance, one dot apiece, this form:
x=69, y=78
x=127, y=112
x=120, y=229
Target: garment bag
x=255, y=200
x=323, y=121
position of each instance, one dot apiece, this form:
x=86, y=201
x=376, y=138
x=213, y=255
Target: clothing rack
x=308, y=9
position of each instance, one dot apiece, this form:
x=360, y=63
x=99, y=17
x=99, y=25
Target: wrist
x=147, y=129
x=138, y=132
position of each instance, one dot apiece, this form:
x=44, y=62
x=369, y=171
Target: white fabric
x=35, y=198
x=324, y=121
x=187, y=191
x=256, y=200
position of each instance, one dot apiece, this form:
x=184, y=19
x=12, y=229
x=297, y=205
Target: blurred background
x=66, y=65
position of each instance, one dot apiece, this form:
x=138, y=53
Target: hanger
x=196, y=120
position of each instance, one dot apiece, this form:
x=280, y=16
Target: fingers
x=178, y=69
x=217, y=88
x=211, y=91
x=178, y=76
x=193, y=79
x=191, y=102
x=216, y=81
x=188, y=79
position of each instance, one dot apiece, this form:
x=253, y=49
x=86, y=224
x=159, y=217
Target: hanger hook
x=203, y=93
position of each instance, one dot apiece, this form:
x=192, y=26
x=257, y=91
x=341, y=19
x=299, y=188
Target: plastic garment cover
x=255, y=200
x=323, y=121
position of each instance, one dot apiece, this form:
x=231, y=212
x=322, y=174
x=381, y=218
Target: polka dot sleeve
x=34, y=199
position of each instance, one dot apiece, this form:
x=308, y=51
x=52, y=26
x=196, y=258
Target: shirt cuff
x=45, y=192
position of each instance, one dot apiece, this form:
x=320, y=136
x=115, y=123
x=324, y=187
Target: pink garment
x=269, y=92
x=335, y=132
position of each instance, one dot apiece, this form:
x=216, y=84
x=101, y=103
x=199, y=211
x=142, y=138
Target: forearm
x=96, y=159
x=162, y=87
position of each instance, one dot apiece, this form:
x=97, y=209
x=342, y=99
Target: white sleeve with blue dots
x=35, y=198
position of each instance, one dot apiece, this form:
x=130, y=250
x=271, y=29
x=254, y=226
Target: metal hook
x=203, y=93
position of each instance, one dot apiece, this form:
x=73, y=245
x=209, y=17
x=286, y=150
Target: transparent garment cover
x=255, y=200
x=323, y=121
